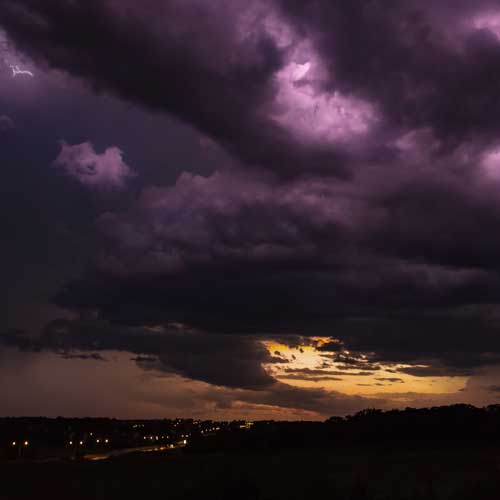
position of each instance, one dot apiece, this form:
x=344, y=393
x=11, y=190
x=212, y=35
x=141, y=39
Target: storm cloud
x=355, y=198
x=219, y=360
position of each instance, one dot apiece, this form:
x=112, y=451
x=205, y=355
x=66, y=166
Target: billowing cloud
x=104, y=172
x=415, y=61
x=358, y=201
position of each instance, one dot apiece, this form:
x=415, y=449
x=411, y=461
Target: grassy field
x=461, y=473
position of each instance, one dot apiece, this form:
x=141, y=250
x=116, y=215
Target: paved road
x=125, y=451
x=102, y=455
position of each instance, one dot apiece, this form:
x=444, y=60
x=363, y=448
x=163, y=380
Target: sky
x=258, y=209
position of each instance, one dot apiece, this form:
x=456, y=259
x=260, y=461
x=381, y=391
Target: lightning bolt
x=17, y=71
x=9, y=58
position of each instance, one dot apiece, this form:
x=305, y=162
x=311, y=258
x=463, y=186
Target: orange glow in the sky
x=326, y=373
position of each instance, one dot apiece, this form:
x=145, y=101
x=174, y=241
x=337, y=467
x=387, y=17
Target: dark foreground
x=453, y=472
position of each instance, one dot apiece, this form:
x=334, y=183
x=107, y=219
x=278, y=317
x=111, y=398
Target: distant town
x=100, y=438
x=94, y=439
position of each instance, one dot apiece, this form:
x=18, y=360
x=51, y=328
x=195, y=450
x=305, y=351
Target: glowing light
x=491, y=164
x=17, y=71
x=311, y=113
x=14, y=443
x=489, y=21
x=298, y=71
x=311, y=368
x=26, y=443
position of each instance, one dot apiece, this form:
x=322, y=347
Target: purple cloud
x=359, y=200
x=102, y=172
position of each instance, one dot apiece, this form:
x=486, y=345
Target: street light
x=26, y=443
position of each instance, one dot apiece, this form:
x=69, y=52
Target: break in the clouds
x=352, y=193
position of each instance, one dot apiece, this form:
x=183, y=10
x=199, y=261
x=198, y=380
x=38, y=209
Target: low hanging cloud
x=225, y=360
x=102, y=172
x=230, y=366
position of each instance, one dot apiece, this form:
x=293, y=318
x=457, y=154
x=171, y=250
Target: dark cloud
x=144, y=359
x=195, y=61
x=306, y=373
x=396, y=263
x=436, y=369
x=321, y=378
x=330, y=347
x=216, y=359
x=286, y=396
x=232, y=365
x=299, y=251
x=423, y=64
x=94, y=356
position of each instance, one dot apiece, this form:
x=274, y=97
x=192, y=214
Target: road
x=117, y=453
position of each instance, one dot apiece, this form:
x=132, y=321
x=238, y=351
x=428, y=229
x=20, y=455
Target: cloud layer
x=359, y=201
